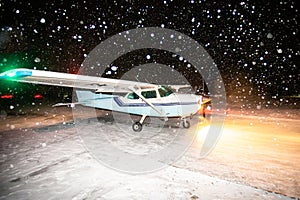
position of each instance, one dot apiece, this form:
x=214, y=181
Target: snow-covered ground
x=43, y=157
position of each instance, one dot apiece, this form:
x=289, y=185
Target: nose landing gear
x=186, y=123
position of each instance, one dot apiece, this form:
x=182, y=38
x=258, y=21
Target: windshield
x=164, y=91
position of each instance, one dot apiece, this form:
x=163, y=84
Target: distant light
x=38, y=96
x=7, y=96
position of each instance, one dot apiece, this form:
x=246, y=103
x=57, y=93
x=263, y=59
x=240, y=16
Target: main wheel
x=137, y=126
x=186, y=124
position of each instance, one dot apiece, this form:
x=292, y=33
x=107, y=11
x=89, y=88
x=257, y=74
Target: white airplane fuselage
x=171, y=105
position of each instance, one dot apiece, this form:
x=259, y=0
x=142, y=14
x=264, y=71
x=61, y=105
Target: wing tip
x=16, y=73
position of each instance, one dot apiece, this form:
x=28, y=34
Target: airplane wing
x=178, y=87
x=98, y=84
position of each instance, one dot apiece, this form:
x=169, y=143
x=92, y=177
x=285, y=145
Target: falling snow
x=42, y=20
x=254, y=44
x=253, y=39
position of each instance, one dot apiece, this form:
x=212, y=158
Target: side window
x=164, y=91
x=132, y=96
x=149, y=94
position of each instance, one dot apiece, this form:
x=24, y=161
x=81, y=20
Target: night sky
x=255, y=44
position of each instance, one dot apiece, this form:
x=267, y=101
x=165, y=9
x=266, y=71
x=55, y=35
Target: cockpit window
x=164, y=91
x=149, y=94
x=132, y=96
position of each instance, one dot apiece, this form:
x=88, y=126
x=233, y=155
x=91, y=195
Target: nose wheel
x=185, y=123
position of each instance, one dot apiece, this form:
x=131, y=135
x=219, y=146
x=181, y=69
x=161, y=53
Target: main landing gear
x=138, y=126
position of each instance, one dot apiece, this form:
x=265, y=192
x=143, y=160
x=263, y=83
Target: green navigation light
x=15, y=74
x=11, y=74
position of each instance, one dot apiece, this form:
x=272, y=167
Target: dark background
x=255, y=44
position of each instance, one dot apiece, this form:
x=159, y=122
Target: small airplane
x=137, y=98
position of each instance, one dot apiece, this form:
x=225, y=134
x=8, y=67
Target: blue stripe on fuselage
x=122, y=104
